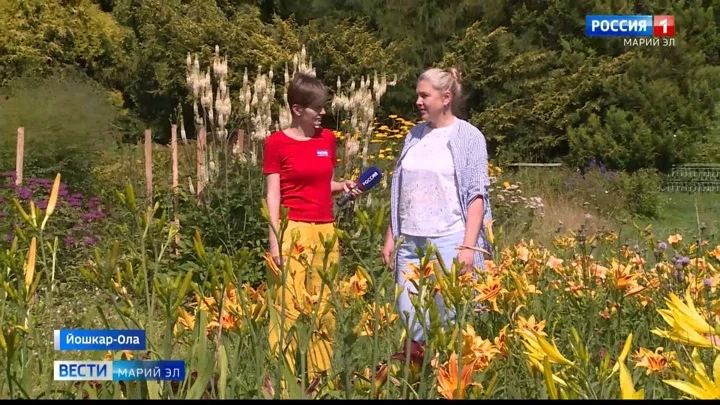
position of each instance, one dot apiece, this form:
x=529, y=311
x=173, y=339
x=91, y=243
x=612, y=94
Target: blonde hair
x=444, y=80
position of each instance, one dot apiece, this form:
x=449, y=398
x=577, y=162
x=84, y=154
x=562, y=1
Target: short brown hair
x=307, y=91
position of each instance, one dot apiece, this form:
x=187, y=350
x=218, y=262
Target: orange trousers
x=303, y=284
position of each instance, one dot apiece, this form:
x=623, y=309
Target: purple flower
x=685, y=260
x=2, y=200
x=708, y=283
x=10, y=237
x=89, y=241
x=24, y=193
x=3, y=214
x=69, y=240
x=11, y=176
x=93, y=215
x=93, y=203
x=42, y=204
x=662, y=246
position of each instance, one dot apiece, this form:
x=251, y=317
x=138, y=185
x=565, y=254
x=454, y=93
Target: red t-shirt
x=306, y=170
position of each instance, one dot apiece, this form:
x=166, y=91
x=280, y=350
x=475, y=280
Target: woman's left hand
x=466, y=258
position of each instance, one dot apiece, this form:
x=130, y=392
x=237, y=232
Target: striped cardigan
x=470, y=158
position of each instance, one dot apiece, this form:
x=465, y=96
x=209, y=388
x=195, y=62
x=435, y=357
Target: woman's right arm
x=272, y=198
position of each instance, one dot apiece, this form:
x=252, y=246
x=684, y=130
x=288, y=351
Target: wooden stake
x=173, y=146
x=20, y=153
x=346, y=158
x=239, y=142
x=200, y=149
x=148, y=167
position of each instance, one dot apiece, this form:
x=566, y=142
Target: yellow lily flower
x=538, y=349
x=704, y=387
x=688, y=326
x=551, y=350
x=627, y=387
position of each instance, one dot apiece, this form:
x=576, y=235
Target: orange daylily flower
x=654, y=362
x=358, y=285
x=638, y=260
x=715, y=253
x=449, y=381
x=623, y=277
x=554, y=263
x=490, y=290
x=415, y=273
x=600, y=271
x=298, y=249
x=575, y=288
x=228, y=322
x=523, y=253
x=501, y=341
x=476, y=350
x=490, y=266
x=644, y=300
x=675, y=239
x=186, y=320
x=531, y=324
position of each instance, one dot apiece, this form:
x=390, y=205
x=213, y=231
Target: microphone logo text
x=370, y=179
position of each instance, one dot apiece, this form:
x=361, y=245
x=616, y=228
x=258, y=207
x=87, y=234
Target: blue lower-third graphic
x=120, y=370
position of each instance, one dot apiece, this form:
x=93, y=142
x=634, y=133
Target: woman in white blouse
x=439, y=191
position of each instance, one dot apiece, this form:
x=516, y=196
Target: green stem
x=143, y=265
x=281, y=341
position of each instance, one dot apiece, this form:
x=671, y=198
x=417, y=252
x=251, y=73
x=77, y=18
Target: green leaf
x=154, y=389
x=204, y=367
x=223, y=379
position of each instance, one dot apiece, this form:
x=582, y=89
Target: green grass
x=679, y=215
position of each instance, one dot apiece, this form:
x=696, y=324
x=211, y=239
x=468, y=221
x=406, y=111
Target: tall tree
x=542, y=91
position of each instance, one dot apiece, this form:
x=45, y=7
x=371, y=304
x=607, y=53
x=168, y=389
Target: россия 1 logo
x=642, y=30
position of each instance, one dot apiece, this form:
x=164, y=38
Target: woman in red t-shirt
x=299, y=162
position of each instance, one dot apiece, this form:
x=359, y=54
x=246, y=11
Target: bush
x=229, y=219
x=642, y=192
x=618, y=195
x=68, y=120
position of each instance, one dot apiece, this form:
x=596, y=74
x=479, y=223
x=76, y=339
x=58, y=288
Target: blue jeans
x=446, y=247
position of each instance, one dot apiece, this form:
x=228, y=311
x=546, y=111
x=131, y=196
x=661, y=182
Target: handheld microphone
x=368, y=179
